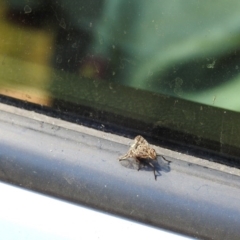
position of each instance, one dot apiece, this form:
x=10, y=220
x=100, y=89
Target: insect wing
x=130, y=163
x=143, y=151
x=139, y=140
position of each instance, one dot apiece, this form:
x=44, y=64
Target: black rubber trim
x=84, y=169
x=104, y=121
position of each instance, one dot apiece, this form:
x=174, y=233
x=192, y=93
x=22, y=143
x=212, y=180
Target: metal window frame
x=197, y=198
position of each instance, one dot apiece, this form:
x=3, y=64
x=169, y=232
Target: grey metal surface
x=82, y=168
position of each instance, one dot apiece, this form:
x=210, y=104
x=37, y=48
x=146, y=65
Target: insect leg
x=154, y=170
x=123, y=157
x=139, y=163
x=165, y=159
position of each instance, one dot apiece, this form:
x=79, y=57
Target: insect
x=144, y=155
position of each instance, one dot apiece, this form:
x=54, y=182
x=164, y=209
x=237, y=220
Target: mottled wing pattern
x=140, y=149
x=144, y=152
x=139, y=140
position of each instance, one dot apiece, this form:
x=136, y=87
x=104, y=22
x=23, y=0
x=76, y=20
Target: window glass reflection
x=138, y=59
x=186, y=49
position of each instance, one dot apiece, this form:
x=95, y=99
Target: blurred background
x=62, y=50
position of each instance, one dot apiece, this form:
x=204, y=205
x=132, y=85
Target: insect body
x=143, y=154
x=140, y=149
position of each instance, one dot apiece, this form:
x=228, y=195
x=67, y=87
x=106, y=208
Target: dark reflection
x=35, y=14
x=73, y=23
x=198, y=74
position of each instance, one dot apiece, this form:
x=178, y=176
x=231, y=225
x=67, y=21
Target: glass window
x=167, y=69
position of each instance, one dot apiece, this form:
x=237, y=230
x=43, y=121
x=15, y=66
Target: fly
x=141, y=154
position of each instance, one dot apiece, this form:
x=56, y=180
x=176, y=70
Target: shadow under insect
x=147, y=164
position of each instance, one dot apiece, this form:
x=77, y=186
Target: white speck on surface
x=27, y=9
x=62, y=23
x=211, y=65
